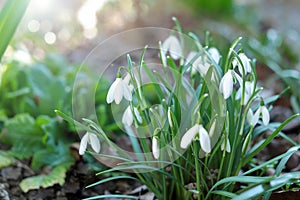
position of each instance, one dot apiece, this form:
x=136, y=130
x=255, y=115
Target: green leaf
x=10, y=17
x=23, y=134
x=56, y=176
x=5, y=160
x=114, y=196
x=252, y=152
x=111, y=179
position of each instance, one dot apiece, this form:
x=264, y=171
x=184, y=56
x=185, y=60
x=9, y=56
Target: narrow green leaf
x=10, y=17
x=269, y=139
x=115, y=196
x=111, y=179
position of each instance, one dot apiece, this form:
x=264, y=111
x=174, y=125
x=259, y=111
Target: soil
x=78, y=177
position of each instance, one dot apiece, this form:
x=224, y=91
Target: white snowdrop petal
x=246, y=62
x=172, y=45
x=238, y=94
x=191, y=56
x=227, y=85
x=175, y=48
x=166, y=45
x=228, y=147
x=126, y=91
x=249, y=116
x=203, y=69
x=214, y=53
x=94, y=141
x=127, y=79
x=204, y=140
x=83, y=144
x=265, y=115
x=137, y=115
x=127, y=118
x=155, y=148
x=238, y=78
x=111, y=91
x=212, y=128
x=118, y=95
x=169, y=117
x=189, y=136
x=255, y=117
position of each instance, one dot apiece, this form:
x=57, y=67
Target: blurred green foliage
x=29, y=95
x=210, y=7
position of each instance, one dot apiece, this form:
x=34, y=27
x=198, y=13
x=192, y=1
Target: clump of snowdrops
x=191, y=120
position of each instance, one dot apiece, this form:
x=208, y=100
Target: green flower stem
x=231, y=49
x=198, y=171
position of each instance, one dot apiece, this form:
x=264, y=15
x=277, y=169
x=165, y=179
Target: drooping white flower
x=204, y=138
x=118, y=90
x=155, y=147
x=201, y=63
x=226, y=84
x=188, y=137
x=128, y=117
x=248, y=91
x=214, y=53
x=127, y=80
x=245, y=65
x=92, y=139
x=263, y=113
x=250, y=117
x=228, y=148
x=172, y=45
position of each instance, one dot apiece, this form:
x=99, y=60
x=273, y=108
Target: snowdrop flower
x=126, y=80
x=203, y=138
x=127, y=118
x=92, y=139
x=172, y=45
x=199, y=64
x=226, y=84
x=155, y=147
x=262, y=112
x=214, y=53
x=245, y=63
x=118, y=90
x=248, y=91
x=228, y=148
x=250, y=117
x=170, y=117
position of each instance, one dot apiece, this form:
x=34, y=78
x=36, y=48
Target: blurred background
x=74, y=27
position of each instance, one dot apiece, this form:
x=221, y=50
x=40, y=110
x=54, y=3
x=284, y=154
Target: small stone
x=11, y=173
x=3, y=193
x=292, y=162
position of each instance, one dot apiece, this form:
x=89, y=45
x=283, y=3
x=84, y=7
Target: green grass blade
x=115, y=196
x=111, y=179
x=10, y=17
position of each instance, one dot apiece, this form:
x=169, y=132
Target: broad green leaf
x=5, y=160
x=56, y=176
x=23, y=133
